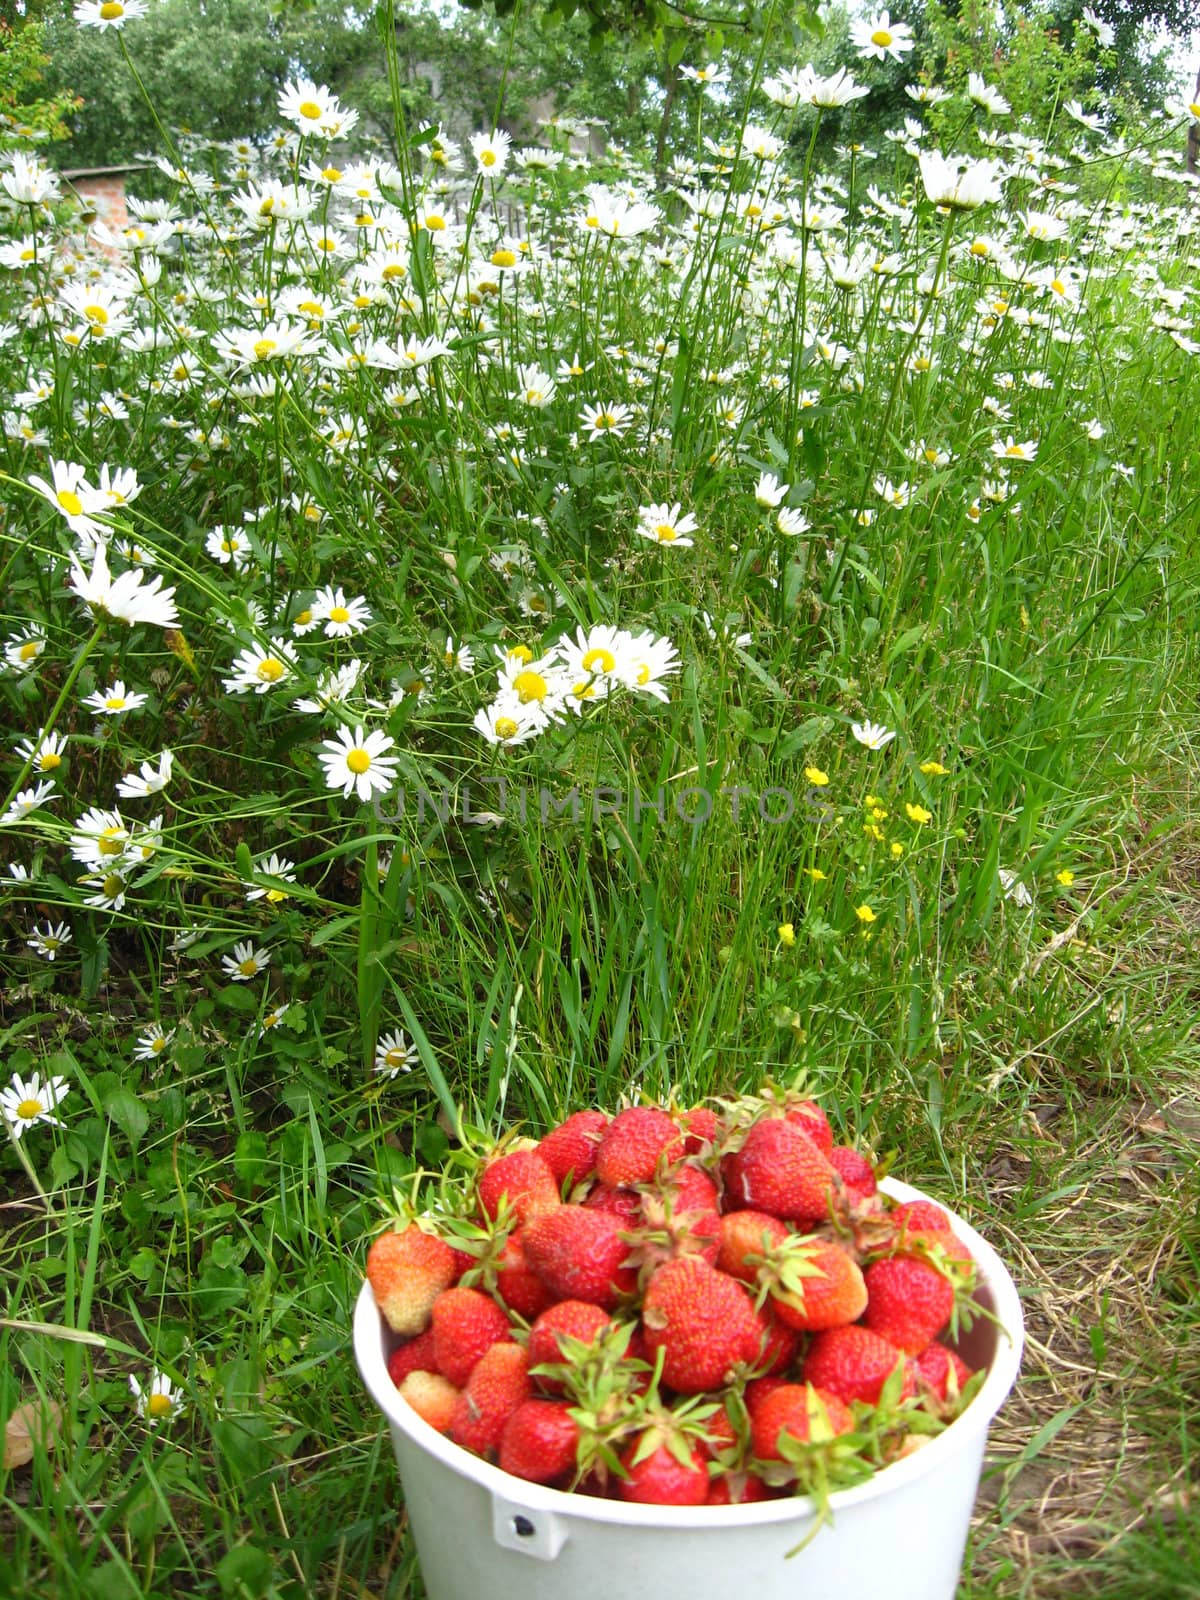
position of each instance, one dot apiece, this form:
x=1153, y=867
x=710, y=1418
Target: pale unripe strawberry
x=407, y=1271
x=432, y=1397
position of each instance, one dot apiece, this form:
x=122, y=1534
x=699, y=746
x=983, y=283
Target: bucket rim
x=996, y=1290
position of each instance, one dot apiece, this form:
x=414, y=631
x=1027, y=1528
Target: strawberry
x=779, y=1344
x=736, y=1489
x=570, y=1149
x=942, y=1371
x=522, y=1178
x=854, y=1364
x=417, y=1355
x=855, y=1171
x=407, y=1271
x=779, y=1170
x=498, y=1384
x=540, y=1441
x=810, y=1119
x=798, y=1412
x=700, y=1127
x=745, y=1234
x=757, y=1390
x=633, y=1143
x=432, y=1397
x=921, y=1215
x=466, y=1323
x=702, y=1321
x=580, y=1254
x=570, y=1319
x=515, y=1283
x=688, y=1188
x=814, y=1284
x=909, y=1302
x=678, y=1219
x=662, y=1474
x=623, y=1203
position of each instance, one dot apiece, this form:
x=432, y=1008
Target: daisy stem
x=23, y=1158
x=77, y=665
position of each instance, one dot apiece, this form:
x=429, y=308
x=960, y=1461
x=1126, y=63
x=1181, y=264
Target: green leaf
x=245, y=1573
x=129, y=1114
x=250, y=1157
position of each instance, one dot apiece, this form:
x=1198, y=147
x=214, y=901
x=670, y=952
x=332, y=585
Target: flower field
x=500, y=627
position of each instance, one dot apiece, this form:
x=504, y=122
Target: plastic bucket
x=479, y=1531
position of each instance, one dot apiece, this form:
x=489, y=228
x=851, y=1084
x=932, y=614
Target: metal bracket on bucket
x=534, y=1533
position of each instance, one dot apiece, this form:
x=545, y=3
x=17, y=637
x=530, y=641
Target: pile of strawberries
x=679, y=1307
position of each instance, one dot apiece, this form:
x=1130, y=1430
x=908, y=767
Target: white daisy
x=356, y=760
x=29, y=1100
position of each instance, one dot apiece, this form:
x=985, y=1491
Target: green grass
x=1023, y=627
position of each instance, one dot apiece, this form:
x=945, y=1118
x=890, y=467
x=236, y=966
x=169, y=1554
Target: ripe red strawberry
x=572, y=1319
x=799, y=1412
x=633, y=1143
x=700, y=1126
x=678, y=1219
x=757, y=1390
x=780, y=1170
x=942, y=1371
x=815, y=1284
x=416, y=1355
x=688, y=1188
x=920, y=1216
x=855, y=1171
x=570, y=1149
x=623, y=1203
x=661, y=1478
x=407, y=1271
x=810, y=1119
x=854, y=1364
x=744, y=1234
x=432, y=1397
x=498, y=1384
x=524, y=1179
x=515, y=1281
x=779, y=1345
x=466, y=1323
x=702, y=1320
x=909, y=1303
x=736, y=1489
x=580, y=1254
x=540, y=1441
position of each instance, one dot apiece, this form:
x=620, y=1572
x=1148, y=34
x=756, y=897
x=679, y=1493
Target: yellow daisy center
x=310, y=109
x=599, y=660
x=263, y=348
x=506, y=728
x=358, y=760
x=159, y=1405
x=311, y=309
x=395, y=1058
x=111, y=10
x=331, y=174
x=158, y=1045
x=111, y=842
x=882, y=38
x=487, y=158
x=303, y=618
x=435, y=223
x=30, y=1108
x=504, y=258
x=664, y=533
x=49, y=760
x=115, y=702
x=270, y=669
x=339, y=614
x=395, y=269
x=249, y=967
x=113, y=886
x=70, y=502
x=530, y=686
x=96, y=314
x=29, y=650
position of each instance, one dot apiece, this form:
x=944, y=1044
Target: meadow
x=500, y=627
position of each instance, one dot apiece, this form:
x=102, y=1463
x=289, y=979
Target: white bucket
x=480, y=1532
